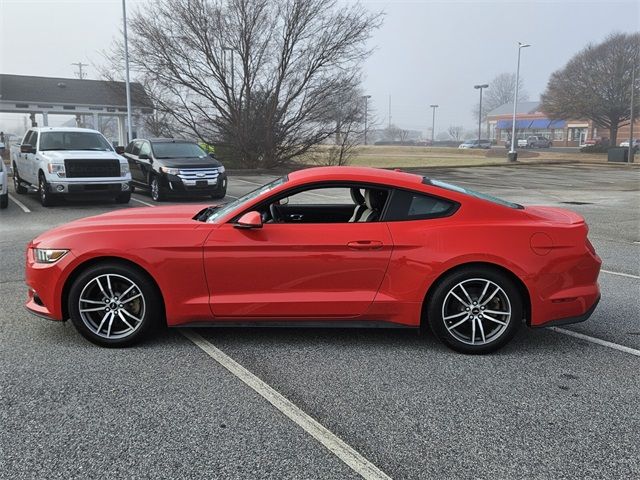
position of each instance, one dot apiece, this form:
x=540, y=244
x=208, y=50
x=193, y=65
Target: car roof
x=63, y=129
x=361, y=174
x=166, y=140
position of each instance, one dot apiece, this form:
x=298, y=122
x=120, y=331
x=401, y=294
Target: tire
x=47, y=199
x=123, y=197
x=17, y=183
x=449, y=306
x=157, y=195
x=221, y=193
x=100, y=287
x=4, y=200
x=132, y=188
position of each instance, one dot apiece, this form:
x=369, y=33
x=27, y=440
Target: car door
x=296, y=270
x=133, y=165
x=22, y=158
x=145, y=161
x=136, y=172
x=31, y=162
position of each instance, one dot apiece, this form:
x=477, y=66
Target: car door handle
x=365, y=245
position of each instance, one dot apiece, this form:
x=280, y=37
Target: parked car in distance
x=341, y=246
x=537, y=141
x=4, y=185
x=61, y=162
x=636, y=144
x=475, y=144
x=166, y=166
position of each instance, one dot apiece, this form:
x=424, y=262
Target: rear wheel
x=475, y=310
x=113, y=305
x=17, y=183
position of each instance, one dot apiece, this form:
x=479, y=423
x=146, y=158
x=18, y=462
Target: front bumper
x=104, y=187
x=45, y=282
x=178, y=186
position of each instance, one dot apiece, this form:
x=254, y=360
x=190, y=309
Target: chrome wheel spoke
x=110, y=325
x=132, y=298
x=94, y=302
x=466, y=294
x=103, y=320
x=484, y=291
x=496, y=312
x=491, y=319
x=456, y=315
x=491, y=296
x=459, y=299
x=473, y=330
x=131, y=316
x=101, y=288
x=459, y=323
x=124, y=320
x=109, y=286
x=481, y=328
x=96, y=309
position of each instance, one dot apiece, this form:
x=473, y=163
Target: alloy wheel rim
x=476, y=311
x=112, y=306
x=43, y=190
x=155, y=189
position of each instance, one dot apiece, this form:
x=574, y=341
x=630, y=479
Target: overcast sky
x=426, y=52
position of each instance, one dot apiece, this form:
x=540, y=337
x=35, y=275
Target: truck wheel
x=220, y=193
x=123, y=197
x=46, y=197
x=4, y=200
x=17, y=183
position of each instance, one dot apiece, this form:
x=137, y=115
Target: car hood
x=189, y=162
x=127, y=219
x=61, y=155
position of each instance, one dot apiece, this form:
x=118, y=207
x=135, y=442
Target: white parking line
x=597, y=341
x=144, y=203
x=338, y=447
x=24, y=208
x=620, y=274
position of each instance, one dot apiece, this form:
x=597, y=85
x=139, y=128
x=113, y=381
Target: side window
x=33, y=141
x=136, y=148
x=321, y=196
x=406, y=205
x=129, y=148
x=145, y=148
x=27, y=138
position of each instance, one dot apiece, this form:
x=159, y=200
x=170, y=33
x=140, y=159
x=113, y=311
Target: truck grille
x=76, y=168
x=194, y=174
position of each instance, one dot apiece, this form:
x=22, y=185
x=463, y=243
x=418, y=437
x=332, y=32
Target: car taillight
x=590, y=247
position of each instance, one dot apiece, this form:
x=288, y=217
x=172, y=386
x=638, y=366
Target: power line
x=80, y=74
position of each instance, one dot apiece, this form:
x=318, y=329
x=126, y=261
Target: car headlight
x=169, y=171
x=221, y=169
x=48, y=255
x=57, y=169
x=124, y=169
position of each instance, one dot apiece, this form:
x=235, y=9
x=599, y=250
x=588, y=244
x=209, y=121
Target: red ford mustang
x=335, y=245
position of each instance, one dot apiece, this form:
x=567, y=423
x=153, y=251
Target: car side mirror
x=119, y=149
x=143, y=156
x=26, y=148
x=249, y=220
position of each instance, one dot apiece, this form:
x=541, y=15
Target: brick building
x=530, y=120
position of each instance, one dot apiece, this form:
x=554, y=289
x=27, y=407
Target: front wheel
x=475, y=310
x=123, y=197
x=157, y=195
x=4, y=200
x=113, y=305
x=46, y=197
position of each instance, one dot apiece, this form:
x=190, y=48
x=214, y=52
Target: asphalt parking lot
x=549, y=405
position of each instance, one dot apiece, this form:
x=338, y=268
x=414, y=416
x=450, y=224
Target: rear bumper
x=569, y=320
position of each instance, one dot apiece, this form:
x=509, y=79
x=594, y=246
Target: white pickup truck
x=69, y=161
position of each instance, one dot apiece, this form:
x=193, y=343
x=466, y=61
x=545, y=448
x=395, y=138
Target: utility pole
x=126, y=67
x=80, y=74
x=480, y=87
x=633, y=88
x=389, y=125
x=230, y=49
x=366, y=99
x=513, y=156
x=433, y=123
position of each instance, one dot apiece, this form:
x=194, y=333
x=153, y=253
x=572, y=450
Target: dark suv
x=168, y=166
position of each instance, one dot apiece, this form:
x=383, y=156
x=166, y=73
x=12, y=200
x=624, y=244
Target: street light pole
x=513, y=156
x=224, y=49
x=433, y=123
x=633, y=88
x=480, y=87
x=366, y=100
x=126, y=67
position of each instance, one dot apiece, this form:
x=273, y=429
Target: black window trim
x=355, y=184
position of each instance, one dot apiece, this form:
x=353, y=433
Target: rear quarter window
x=408, y=205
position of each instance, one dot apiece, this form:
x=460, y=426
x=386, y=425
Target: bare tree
x=596, y=84
x=455, y=132
x=257, y=76
x=392, y=133
x=502, y=89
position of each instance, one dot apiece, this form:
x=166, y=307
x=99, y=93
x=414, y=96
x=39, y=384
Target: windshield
x=473, y=193
x=247, y=197
x=177, y=150
x=74, y=141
